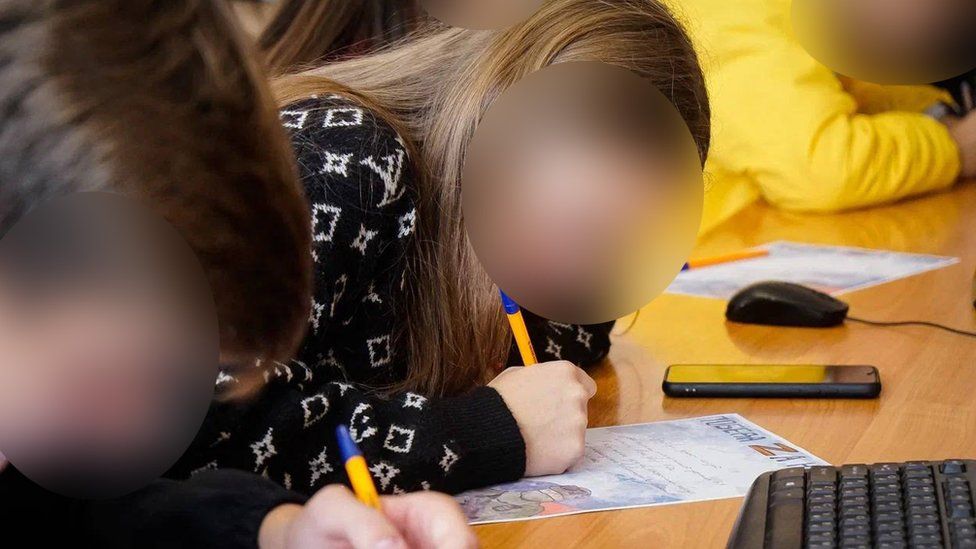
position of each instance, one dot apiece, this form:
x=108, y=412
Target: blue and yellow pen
x=519, y=330
x=359, y=477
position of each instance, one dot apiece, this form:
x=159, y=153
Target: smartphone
x=771, y=381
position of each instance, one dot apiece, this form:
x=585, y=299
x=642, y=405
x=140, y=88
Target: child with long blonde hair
x=406, y=328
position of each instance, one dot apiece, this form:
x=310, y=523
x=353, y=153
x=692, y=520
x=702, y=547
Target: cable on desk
x=913, y=323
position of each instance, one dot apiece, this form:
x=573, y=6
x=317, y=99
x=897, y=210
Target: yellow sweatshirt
x=789, y=130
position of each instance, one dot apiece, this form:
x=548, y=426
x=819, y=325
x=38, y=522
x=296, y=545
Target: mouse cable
x=912, y=323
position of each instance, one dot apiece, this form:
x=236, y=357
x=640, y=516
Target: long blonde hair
x=434, y=88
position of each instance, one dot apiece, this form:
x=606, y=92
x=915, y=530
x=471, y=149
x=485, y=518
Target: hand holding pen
x=335, y=516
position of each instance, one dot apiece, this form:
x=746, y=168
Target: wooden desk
x=927, y=409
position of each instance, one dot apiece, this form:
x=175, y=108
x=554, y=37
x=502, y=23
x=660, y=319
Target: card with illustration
x=830, y=269
x=640, y=465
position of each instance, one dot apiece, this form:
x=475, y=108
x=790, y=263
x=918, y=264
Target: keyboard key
x=820, y=507
x=890, y=537
x=854, y=530
x=952, y=467
x=921, y=539
x=894, y=506
x=885, y=498
x=924, y=508
x=820, y=527
x=790, y=494
x=957, y=481
x=857, y=470
x=964, y=532
x=816, y=518
x=923, y=499
x=922, y=518
x=794, y=483
x=960, y=510
x=958, y=499
x=922, y=490
x=919, y=482
x=924, y=528
x=968, y=522
x=790, y=472
x=821, y=537
x=918, y=473
x=885, y=468
x=783, y=520
x=823, y=476
x=852, y=522
x=855, y=542
x=886, y=516
x=853, y=482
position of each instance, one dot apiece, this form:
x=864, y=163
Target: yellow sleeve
x=787, y=122
x=875, y=98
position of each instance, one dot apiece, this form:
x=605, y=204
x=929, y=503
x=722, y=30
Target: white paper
x=830, y=269
x=642, y=465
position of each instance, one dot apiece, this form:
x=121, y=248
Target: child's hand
x=335, y=518
x=549, y=403
x=963, y=131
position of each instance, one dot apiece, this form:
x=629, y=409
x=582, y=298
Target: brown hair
x=435, y=89
x=158, y=100
x=303, y=32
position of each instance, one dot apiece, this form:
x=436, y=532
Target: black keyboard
x=886, y=505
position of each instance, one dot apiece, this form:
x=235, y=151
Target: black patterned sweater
x=358, y=180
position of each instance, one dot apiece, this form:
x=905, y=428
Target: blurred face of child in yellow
x=890, y=41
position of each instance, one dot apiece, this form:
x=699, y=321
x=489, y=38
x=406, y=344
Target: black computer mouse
x=785, y=304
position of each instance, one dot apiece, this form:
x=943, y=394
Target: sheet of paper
x=830, y=269
x=646, y=464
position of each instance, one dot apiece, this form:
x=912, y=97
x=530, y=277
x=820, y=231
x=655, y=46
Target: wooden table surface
x=927, y=409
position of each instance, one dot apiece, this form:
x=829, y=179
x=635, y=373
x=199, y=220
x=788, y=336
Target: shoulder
x=339, y=123
x=349, y=154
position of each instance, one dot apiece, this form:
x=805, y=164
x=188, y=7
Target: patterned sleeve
x=355, y=169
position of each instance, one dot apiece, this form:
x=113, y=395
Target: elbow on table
x=815, y=189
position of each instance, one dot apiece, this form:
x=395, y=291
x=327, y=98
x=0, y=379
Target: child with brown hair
x=157, y=101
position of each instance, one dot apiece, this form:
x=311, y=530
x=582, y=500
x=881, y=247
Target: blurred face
x=479, y=14
x=890, y=41
x=109, y=346
x=582, y=190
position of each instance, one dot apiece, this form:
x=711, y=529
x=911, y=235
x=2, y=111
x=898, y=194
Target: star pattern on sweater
x=335, y=163
x=408, y=222
x=363, y=238
x=384, y=472
x=448, y=459
x=319, y=466
x=554, y=349
x=263, y=449
x=413, y=400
